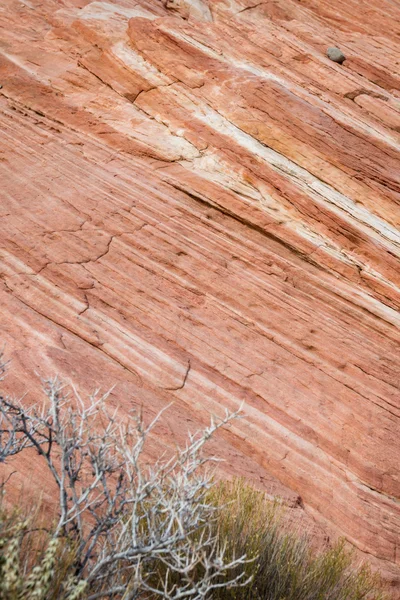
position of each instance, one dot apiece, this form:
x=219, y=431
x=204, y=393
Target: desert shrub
x=122, y=516
x=126, y=529
x=33, y=563
x=284, y=566
x=281, y=564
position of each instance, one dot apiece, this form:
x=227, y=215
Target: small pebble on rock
x=336, y=55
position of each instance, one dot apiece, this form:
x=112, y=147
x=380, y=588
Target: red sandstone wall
x=196, y=204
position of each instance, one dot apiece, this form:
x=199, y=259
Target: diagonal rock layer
x=198, y=205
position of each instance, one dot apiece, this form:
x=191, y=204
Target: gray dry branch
x=137, y=528
x=10, y=441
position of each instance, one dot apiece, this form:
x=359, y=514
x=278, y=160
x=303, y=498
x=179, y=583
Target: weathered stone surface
x=336, y=55
x=199, y=206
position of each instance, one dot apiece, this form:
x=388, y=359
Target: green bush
x=283, y=565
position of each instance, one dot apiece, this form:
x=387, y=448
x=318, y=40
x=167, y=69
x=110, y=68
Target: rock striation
x=198, y=205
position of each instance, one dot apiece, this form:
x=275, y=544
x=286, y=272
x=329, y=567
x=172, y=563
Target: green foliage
x=27, y=572
x=283, y=566
x=280, y=562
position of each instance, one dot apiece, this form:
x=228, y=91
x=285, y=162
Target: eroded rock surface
x=198, y=205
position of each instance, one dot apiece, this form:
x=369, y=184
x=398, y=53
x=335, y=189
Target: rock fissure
x=185, y=377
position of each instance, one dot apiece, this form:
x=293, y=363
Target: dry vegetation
x=127, y=530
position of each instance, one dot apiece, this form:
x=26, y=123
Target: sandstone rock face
x=199, y=206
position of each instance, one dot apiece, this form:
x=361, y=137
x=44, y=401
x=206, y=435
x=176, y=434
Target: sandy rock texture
x=198, y=205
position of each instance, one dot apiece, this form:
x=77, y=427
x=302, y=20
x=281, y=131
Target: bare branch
x=138, y=527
